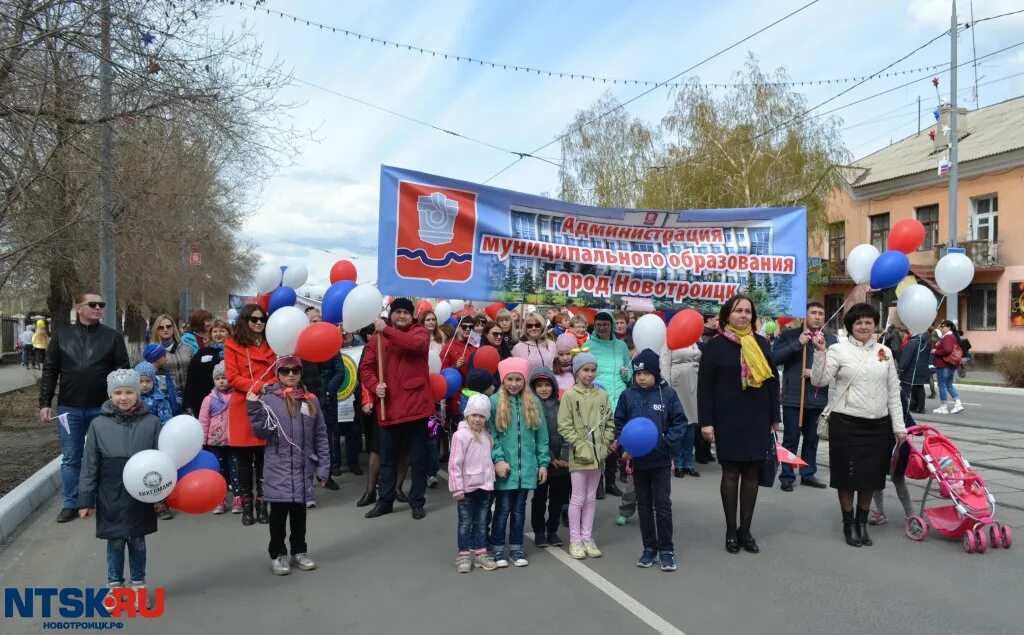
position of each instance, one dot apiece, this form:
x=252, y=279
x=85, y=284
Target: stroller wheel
x=915, y=528
x=969, y=542
x=1007, y=536
x=995, y=535
x=980, y=541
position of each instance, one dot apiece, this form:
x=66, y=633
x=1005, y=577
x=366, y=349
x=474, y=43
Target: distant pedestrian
x=25, y=346
x=946, y=365
x=40, y=341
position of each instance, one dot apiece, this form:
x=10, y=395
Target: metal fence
x=9, y=333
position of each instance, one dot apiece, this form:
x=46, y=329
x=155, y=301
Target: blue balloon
x=510, y=305
x=281, y=297
x=454, y=322
x=889, y=269
x=334, y=300
x=639, y=436
x=454, y=380
x=205, y=460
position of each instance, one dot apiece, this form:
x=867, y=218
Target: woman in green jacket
x=586, y=423
x=521, y=457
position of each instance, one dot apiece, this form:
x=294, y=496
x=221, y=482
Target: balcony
x=984, y=254
x=829, y=272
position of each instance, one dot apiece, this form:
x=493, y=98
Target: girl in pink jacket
x=471, y=481
x=213, y=417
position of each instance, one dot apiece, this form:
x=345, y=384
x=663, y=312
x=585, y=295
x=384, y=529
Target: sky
x=323, y=206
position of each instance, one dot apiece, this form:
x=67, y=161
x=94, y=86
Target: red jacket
x=945, y=348
x=248, y=368
x=405, y=372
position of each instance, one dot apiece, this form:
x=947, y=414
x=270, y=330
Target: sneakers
x=311, y=504
x=484, y=561
x=668, y=561
x=165, y=512
x=878, y=518
x=591, y=548
x=464, y=563
x=577, y=551
x=236, y=505
x=554, y=539
x=540, y=539
x=281, y=566
x=957, y=407
x=518, y=557
x=220, y=509
x=621, y=520
x=941, y=410
x=432, y=482
x=647, y=558
x=500, y=561
x=304, y=562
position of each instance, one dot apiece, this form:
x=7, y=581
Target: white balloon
x=150, y=475
x=267, y=279
x=859, y=262
x=232, y=314
x=954, y=272
x=649, y=332
x=457, y=305
x=434, y=362
x=362, y=307
x=181, y=438
x=283, y=329
x=917, y=308
x=295, y=276
x=443, y=311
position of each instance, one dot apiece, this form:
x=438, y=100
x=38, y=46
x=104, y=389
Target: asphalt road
x=395, y=575
x=983, y=410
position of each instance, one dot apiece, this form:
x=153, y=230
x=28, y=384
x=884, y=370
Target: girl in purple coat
x=291, y=421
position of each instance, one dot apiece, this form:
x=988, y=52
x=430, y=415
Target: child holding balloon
x=290, y=419
x=214, y=418
x=123, y=428
x=649, y=424
x=585, y=422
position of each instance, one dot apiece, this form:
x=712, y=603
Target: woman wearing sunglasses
x=534, y=346
x=494, y=336
x=165, y=333
x=249, y=360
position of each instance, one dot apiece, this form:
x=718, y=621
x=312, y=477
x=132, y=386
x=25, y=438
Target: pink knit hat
x=514, y=365
x=565, y=342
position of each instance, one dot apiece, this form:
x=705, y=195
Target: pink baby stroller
x=970, y=517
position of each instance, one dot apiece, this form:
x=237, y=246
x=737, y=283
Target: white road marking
x=625, y=600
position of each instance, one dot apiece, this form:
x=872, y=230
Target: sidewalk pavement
x=15, y=376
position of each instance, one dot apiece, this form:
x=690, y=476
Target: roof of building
x=993, y=130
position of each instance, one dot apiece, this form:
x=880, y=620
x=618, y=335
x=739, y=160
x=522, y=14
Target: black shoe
x=355, y=469
x=810, y=481
x=786, y=487
x=678, y=472
x=419, y=513
x=613, y=489
x=331, y=484
x=564, y=518
x=400, y=496
x=165, y=513
x=540, y=539
x=247, y=517
x=689, y=471
x=703, y=460
x=369, y=498
x=336, y=471
x=67, y=515
x=748, y=543
x=600, y=493
x=378, y=510
x=861, y=528
x=554, y=539
x=732, y=545
x=848, y=529
x=262, y=515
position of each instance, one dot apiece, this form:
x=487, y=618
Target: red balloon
x=198, y=492
x=343, y=270
x=264, y=301
x=438, y=386
x=318, y=342
x=906, y=235
x=487, y=358
x=492, y=310
x=423, y=307
x=684, y=329
x=586, y=312
x=783, y=321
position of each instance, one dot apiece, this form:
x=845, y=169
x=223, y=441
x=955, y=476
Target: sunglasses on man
x=465, y=326
x=96, y=305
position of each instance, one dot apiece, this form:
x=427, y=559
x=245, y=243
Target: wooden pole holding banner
x=803, y=378
x=380, y=371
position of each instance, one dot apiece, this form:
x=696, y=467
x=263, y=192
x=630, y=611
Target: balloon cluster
x=178, y=471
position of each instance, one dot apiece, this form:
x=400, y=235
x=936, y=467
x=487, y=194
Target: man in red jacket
x=405, y=403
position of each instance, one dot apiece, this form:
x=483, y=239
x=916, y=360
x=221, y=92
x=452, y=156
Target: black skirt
x=859, y=451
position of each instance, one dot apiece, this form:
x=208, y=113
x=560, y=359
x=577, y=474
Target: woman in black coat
x=199, y=379
x=738, y=405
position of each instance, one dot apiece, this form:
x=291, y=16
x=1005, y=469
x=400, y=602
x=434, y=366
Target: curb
x=996, y=390
x=18, y=504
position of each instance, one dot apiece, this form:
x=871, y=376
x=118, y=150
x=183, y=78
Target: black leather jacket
x=82, y=357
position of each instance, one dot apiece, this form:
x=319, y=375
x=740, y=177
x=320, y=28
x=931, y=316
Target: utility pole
x=108, y=254
x=952, y=310
x=919, y=115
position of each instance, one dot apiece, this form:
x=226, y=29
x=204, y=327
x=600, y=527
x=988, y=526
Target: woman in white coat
x=679, y=368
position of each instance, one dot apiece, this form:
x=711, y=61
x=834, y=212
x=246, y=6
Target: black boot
x=262, y=517
x=862, y=528
x=849, y=529
x=247, y=518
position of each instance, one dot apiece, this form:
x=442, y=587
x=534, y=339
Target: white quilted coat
x=870, y=372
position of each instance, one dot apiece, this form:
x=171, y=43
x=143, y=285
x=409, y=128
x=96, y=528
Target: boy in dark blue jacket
x=650, y=397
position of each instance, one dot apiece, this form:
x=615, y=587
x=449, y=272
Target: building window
x=985, y=218
x=981, y=307
x=524, y=226
x=760, y=240
x=929, y=217
x=834, y=302
x=880, y=231
x=837, y=241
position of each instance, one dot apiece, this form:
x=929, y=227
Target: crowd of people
x=545, y=426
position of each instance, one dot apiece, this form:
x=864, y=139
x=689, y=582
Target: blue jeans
x=684, y=459
x=136, y=559
x=473, y=521
x=791, y=439
x=71, y=445
x=946, y=376
x=508, y=504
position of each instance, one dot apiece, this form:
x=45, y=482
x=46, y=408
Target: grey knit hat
x=582, y=360
x=219, y=370
x=122, y=378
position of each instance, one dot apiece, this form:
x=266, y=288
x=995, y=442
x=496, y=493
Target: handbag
x=770, y=465
x=827, y=412
x=956, y=357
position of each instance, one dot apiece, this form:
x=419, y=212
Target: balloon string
x=273, y=423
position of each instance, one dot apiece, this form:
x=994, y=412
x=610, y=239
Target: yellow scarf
x=755, y=368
